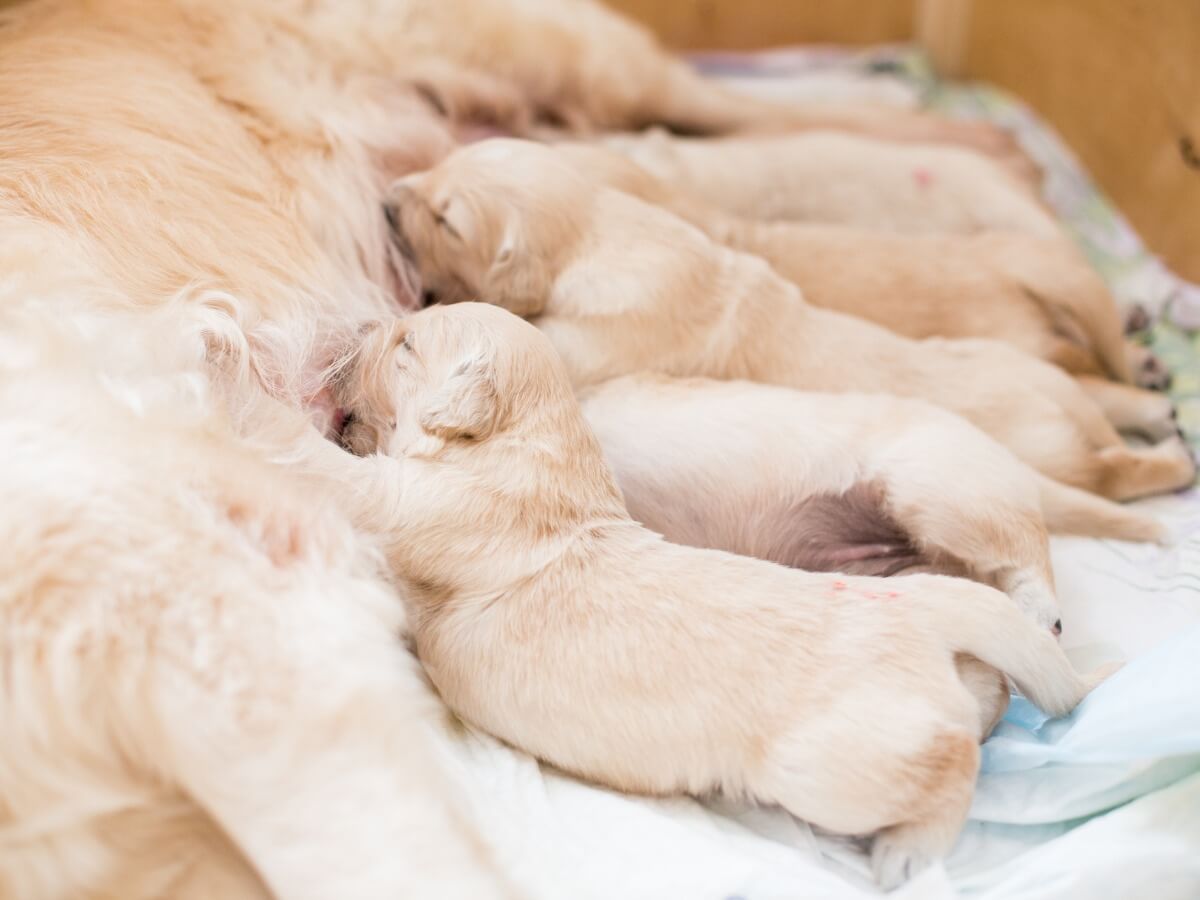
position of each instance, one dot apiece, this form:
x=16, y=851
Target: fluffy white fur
x=205, y=689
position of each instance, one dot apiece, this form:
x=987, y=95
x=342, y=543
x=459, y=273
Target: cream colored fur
x=844, y=179
x=545, y=615
x=1036, y=293
x=737, y=466
x=207, y=697
x=205, y=691
x=621, y=286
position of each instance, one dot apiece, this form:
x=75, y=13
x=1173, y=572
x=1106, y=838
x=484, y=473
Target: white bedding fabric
x=1135, y=741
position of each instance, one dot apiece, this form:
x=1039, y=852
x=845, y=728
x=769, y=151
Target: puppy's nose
x=1057, y=627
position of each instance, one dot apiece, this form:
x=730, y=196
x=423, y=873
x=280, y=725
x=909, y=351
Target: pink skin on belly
x=327, y=417
x=923, y=177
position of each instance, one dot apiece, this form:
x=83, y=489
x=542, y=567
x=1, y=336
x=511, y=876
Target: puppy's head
x=488, y=223
x=447, y=376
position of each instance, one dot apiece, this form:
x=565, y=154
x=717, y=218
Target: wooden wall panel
x=746, y=24
x=1120, y=80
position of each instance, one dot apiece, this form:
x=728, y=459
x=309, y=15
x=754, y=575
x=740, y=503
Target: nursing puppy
x=621, y=286
x=204, y=693
x=839, y=178
x=862, y=484
x=546, y=616
x=1035, y=293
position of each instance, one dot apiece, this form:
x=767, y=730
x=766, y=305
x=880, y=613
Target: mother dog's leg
x=289, y=711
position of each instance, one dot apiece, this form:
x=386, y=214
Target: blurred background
x=1118, y=79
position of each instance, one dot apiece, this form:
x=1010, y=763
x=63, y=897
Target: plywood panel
x=1120, y=80
x=752, y=24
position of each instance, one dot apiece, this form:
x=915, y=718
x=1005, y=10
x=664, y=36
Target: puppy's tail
x=988, y=625
x=1069, y=510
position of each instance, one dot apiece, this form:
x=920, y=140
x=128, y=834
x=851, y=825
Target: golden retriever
x=548, y=617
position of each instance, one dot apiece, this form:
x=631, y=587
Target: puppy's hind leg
x=987, y=515
x=1126, y=473
x=901, y=851
x=1132, y=410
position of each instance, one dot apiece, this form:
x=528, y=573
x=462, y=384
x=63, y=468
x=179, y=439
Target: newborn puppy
x=548, y=617
x=621, y=286
x=861, y=484
x=1036, y=293
x=825, y=176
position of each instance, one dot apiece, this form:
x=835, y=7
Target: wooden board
x=1120, y=80
x=750, y=24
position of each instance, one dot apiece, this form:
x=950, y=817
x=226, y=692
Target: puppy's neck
x=480, y=518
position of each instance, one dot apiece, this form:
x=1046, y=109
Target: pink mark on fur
x=924, y=177
x=880, y=595
x=839, y=585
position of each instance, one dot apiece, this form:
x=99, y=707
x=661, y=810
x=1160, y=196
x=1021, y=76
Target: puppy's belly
x=851, y=532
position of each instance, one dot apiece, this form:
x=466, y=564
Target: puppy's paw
x=1137, y=318
x=1176, y=450
x=1149, y=371
x=897, y=856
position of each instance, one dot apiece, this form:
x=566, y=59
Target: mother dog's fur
x=205, y=693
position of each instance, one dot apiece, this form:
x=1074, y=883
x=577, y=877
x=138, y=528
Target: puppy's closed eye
x=454, y=217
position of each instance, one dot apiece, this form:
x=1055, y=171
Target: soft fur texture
x=206, y=693
x=846, y=179
x=205, y=689
x=839, y=483
x=545, y=615
x=620, y=286
x=1035, y=292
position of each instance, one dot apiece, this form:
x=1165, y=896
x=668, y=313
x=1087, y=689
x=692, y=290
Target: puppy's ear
x=508, y=246
x=359, y=361
x=458, y=217
x=467, y=405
